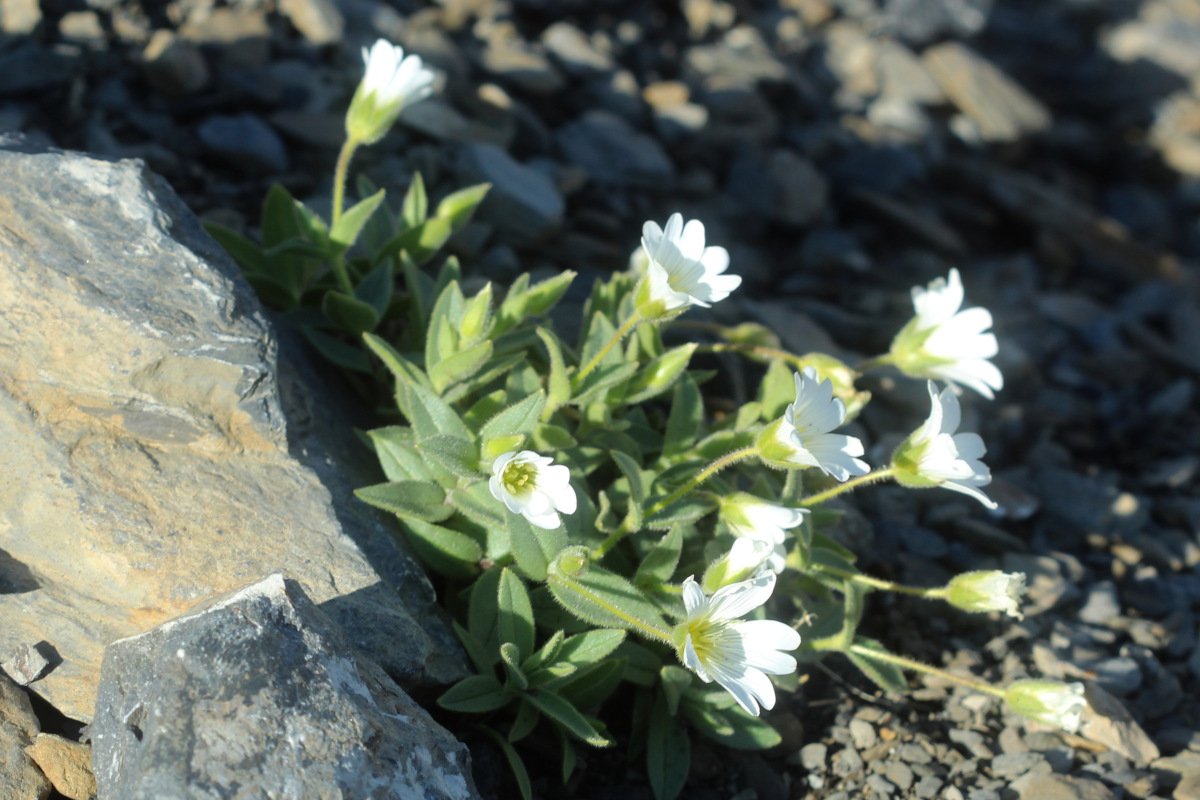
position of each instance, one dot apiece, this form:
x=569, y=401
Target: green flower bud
x=1053, y=703
x=987, y=590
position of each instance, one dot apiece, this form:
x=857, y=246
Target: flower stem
x=887, y=586
x=761, y=351
x=919, y=666
x=339, y=200
x=700, y=477
x=620, y=333
x=850, y=485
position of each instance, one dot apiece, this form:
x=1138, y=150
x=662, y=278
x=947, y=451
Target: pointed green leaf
x=431, y=415
x=246, y=253
x=777, y=391
x=421, y=499
x=337, y=351
x=345, y=232
x=279, y=221
x=675, y=682
x=668, y=753
x=520, y=417
x=481, y=613
x=659, y=375
x=607, y=600
x=475, y=501
x=458, y=207
x=461, y=366
x=416, y=204
x=591, y=647
x=659, y=564
x=886, y=676
x=510, y=659
x=514, y=615
x=477, y=694
x=523, y=301
x=446, y=551
x=730, y=726
x=683, y=424
x=534, y=548
x=637, y=489
x=557, y=382
x=376, y=288
x=452, y=453
x=524, y=723
x=568, y=716
x=479, y=658
x=520, y=775
x=349, y=314
x=590, y=686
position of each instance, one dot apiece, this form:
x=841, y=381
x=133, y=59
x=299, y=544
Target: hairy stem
x=849, y=486
x=620, y=333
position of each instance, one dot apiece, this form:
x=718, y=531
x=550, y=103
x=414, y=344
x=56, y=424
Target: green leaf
x=519, y=418
x=568, y=758
x=376, y=288
x=534, y=549
x=681, y=512
x=246, y=253
x=659, y=375
x=477, y=694
x=591, y=686
x=273, y=291
x=441, y=339
x=458, y=207
x=675, y=683
x=475, y=501
x=637, y=489
x=337, y=351
x=446, y=551
x=568, y=716
x=279, y=220
x=510, y=658
x=460, y=367
x=482, y=661
x=659, y=564
x=514, y=763
x=514, y=615
x=606, y=600
x=401, y=368
x=424, y=500
x=431, y=415
x=683, y=424
x=777, y=391
x=345, y=232
x=547, y=653
x=481, y=613
x=592, y=647
x=523, y=301
x=397, y=453
x=886, y=676
x=524, y=723
x=348, y=313
x=730, y=726
x=557, y=382
x=476, y=320
x=416, y=203
x=668, y=753
x=419, y=243
x=601, y=380
x=599, y=333
x=452, y=453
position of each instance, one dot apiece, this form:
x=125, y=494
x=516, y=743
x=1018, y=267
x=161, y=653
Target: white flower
x=752, y=518
x=987, y=590
x=802, y=438
x=391, y=82
x=736, y=654
x=1051, y=702
x=533, y=486
x=934, y=455
x=945, y=343
x=680, y=270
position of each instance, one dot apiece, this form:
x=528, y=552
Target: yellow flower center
x=519, y=478
x=706, y=635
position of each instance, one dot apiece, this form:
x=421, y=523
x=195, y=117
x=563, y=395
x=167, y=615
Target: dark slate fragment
x=260, y=694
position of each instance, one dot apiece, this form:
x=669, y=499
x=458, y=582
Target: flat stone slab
x=260, y=695
x=155, y=456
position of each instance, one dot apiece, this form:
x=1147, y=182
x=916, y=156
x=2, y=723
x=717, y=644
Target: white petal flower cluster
x=987, y=590
x=804, y=438
x=946, y=343
x=713, y=641
x=751, y=518
x=390, y=83
x=934, y=455
x=533, y=486
x=1060, y=705
x=680, y=270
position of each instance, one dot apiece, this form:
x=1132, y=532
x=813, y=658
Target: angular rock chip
x=156, y=455
x=260, y=695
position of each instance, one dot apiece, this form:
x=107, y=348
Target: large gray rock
x=154, y=455
x=522, y=202
x=260, y=695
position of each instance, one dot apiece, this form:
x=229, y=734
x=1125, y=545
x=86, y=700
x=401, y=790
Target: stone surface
x=19, y=776
x=164, y=458
x=1060, y=787
x=67, y=764
x=522, y=202
x=1107, y=721
x=998, y=106
x=245, y=141
x=612, y=152
x=260, y=695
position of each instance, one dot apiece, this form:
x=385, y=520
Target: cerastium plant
x=598, y=531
